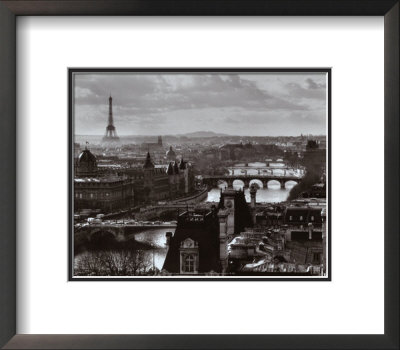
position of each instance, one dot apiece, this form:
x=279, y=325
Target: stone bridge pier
x=212, y=182
x=117, y=231
x=281, y=182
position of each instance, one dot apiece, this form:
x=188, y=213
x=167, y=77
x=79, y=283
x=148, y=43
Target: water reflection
x=156, y=237
x=273, y=194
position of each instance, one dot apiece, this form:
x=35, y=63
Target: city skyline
x=204, y=131
x=259, y=104
x=200, y=175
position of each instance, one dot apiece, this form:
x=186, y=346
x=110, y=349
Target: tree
x=306, y=183
x=312, y=144
x=113, y=263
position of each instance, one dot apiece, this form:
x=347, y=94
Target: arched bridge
x=119, y=231
x=212, y=180
x=261, y=170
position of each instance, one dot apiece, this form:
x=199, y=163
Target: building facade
x=93, y=190
x=160, y=182
x=200, y=242
x=194, y=247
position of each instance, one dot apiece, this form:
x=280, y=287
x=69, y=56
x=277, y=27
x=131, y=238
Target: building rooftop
x=86, y=156
x=201, y=228
x=148, y=163
x=105, y=179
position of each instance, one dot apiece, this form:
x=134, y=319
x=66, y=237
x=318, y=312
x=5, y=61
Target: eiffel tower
x=111, y=134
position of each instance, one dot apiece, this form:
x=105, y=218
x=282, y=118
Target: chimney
x=223, y=248
x=310, y=230
x=222, y=218
x=168, y=237
x=253, y=192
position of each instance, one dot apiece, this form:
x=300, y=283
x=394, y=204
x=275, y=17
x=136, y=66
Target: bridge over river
x=214, y=180
x=261, y=170
x=121, y=231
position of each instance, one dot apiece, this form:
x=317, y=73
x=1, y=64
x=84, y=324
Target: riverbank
x=105, y=241
x=194, y=198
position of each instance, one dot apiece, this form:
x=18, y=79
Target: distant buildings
x=155, y=181
x=314, y=157
x=111, y=188
x=247, y=151
x=167, y=182
x=153, y=146
x=171, y=155
x=92, y=190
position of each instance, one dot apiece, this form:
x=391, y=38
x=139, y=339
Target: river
x=157, y=238
x=274, y=193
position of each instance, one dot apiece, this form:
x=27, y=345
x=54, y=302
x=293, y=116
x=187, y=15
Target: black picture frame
x=70, y=237
x=9, y=10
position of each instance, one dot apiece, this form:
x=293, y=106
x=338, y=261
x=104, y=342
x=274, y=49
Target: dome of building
x=87, y=157
x=86, y=164
x=171, y=155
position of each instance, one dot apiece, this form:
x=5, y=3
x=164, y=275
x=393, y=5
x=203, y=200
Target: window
x=189, y=263
x=290, y=218
x=91, y=195
x=316, y=258
x=301, y=218
x=312, y=218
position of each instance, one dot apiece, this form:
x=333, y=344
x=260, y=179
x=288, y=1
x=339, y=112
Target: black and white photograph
x=211, y=155
x=199, y=174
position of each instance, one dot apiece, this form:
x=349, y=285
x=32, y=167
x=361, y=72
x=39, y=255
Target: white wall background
x=351, y=303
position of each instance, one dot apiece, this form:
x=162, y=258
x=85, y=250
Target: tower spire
x=111, y=134
x=110, y=113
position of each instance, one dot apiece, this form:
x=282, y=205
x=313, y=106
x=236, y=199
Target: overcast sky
x=258, y=104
